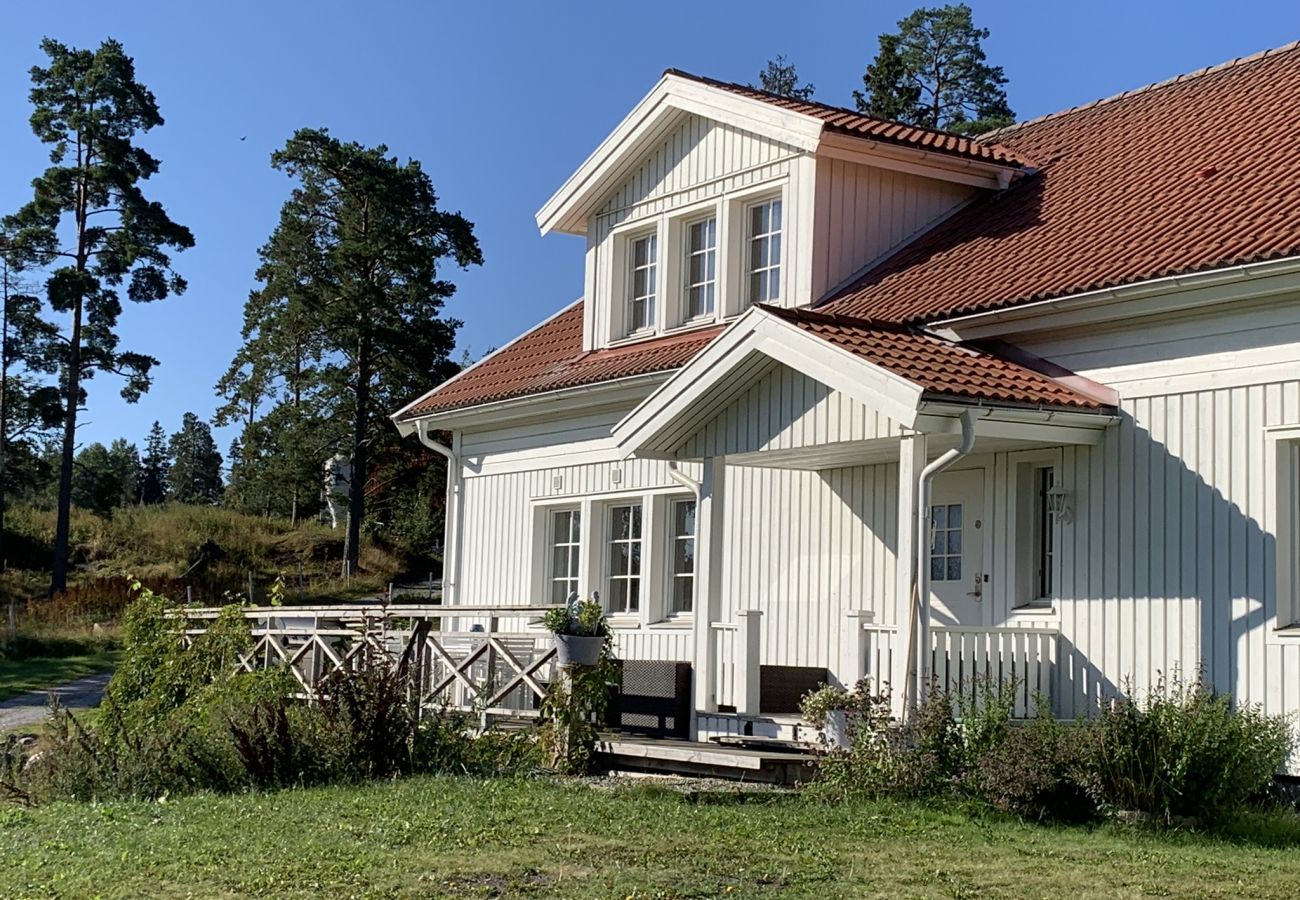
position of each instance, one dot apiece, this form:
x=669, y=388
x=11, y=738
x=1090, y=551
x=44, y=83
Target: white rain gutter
x=451, y=514
x=683, y=479
x=920, y=606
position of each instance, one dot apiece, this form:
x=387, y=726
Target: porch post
x=749, y=639
x=709, y=537
x=911, y=460
x=853, y=667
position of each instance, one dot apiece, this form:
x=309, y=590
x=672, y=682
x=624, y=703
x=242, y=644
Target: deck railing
x=493, y=660
x=965, y=659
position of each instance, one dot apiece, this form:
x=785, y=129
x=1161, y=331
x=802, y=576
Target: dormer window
x=764, y=263
x=641, y=285
x=701, y=267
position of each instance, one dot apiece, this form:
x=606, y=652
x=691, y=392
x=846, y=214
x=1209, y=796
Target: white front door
x=957, y=548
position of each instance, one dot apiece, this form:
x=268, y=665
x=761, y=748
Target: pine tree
x=104, y=478
x=195, y=475
x=779, y=77
x=155, y=467
x=352, y=271
x=88, y=106
x=933, y=73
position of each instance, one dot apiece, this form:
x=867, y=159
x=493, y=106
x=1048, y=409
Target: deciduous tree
x=933, y=73
x=91, y=225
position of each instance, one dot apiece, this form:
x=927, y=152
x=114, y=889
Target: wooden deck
x=704, y=758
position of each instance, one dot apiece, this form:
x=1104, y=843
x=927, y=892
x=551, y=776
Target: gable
x=696, y=159
x=786, y=410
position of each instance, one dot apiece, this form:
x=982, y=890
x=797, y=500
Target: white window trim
x=747, y=237
x=670, y=537
x=1022, y=581
x=682, y=317
x=655, y=298
x=1282, y=520
x=547, y=569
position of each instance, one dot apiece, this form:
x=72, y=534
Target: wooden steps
x=704, y=759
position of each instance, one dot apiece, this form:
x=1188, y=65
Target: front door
x=957, y=548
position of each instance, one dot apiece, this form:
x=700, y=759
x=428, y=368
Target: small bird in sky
x=244, y=138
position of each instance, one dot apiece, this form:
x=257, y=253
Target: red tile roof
x=550, y=357
x=1197, y=173
x=847, y=121
x=941, y=368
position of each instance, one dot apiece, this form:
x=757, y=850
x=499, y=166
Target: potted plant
x=827, y=710
x=580, y=632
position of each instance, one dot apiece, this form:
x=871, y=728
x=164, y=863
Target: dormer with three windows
x=710, y=197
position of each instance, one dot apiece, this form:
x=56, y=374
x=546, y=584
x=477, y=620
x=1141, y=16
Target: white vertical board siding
x=786, y=409
x=1167, y=566
x=863, y=212
x=806, y=548
x=697, y=160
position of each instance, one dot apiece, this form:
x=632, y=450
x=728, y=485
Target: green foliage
x=90, y=226
x=575, y=704
x=933, y=73
x=585, y=618
x=1182, y=751
x=859, y=702
x=779, y=77
x=153, y=478
x=195, y=474
x=1034, y=772
x=105, y=478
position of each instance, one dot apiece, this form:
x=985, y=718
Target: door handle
x=978, y=593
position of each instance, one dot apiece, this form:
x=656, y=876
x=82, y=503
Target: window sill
x=1035, y=609
x=674, y=623
x=623, y=621
x=646, y=334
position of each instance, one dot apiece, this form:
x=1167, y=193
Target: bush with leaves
x=1035, y=772
x=1182, y=752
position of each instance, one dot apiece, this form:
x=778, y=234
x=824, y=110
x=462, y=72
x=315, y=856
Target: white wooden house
x=848, y=398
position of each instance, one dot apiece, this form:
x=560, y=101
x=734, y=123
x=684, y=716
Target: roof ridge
x=834, y=318
x=994, y=135
x=705, y=79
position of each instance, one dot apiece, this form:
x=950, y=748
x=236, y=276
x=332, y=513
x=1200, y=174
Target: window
x=701, y=267
x=681, y=597
x=641, y=285
x=566, y=534
x=945, y=542
x=624, y=558
x=764, y=265
x=1284, y=449
x=1044, y=533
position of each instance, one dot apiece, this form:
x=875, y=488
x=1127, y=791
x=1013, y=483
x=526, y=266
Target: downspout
x=451, y=515
x=677, y=475
x=921, y=575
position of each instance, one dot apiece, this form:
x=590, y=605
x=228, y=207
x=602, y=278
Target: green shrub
x=1181, y=752
x=1034, y=772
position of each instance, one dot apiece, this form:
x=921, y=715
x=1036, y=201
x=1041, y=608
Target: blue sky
x=500, y=102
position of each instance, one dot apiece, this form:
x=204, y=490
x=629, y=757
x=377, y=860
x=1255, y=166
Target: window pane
x=756, y=288
x=684, y=518
x=774, y=249
x=954, y=516
x=559, y=592
x=684, y=558
x=573, y=562
x=560, y=562
x=954, y=541
x=636, y=558
x=575, y=524
x=758, y=219
x=640, y=252
x=776, y=215
x=954, y=568
x=618, y=561
x=620, y=517
x=936, y=568
x=618, y=596
x=683, y=589
x=634, y=595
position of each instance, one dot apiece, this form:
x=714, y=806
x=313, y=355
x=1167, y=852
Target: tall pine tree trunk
x=62, y=527
x=4, y=407
x=357, y=483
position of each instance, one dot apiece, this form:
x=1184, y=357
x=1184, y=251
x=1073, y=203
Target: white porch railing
x=484, y=659
x=737, y=662
x=963, y=658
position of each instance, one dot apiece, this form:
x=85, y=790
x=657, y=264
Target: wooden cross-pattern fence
x=490, y=660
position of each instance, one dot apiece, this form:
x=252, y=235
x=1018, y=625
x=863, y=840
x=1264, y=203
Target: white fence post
x=748, y=660
x=853, y=666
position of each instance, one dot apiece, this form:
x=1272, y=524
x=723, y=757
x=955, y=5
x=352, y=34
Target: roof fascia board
x=1047, y=425
x=567, y=209
x=547, y=405
x=926, y=163
x=407, y=428
x=1158, y=295
x=762, y=332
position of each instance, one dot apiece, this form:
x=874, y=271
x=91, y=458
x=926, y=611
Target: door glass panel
x=945, y=542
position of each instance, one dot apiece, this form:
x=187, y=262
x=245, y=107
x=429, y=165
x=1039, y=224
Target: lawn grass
x=37, y=673
x=443, y=836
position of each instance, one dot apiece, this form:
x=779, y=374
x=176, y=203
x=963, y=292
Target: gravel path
x=31, y=708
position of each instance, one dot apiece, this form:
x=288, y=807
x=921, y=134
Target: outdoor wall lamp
x=1058, y=503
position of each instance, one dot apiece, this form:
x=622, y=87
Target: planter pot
x=578, y=650
x=836, y=730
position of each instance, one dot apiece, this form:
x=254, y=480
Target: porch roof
x=913, y=378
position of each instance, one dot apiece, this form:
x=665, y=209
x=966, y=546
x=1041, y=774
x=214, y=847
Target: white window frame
x=671, y=541
x=746, y=261
x=655, y=280
x=552, y=542
x=1282, y=519
x=638, y=542
x=1024, y=471
x=687, y=317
